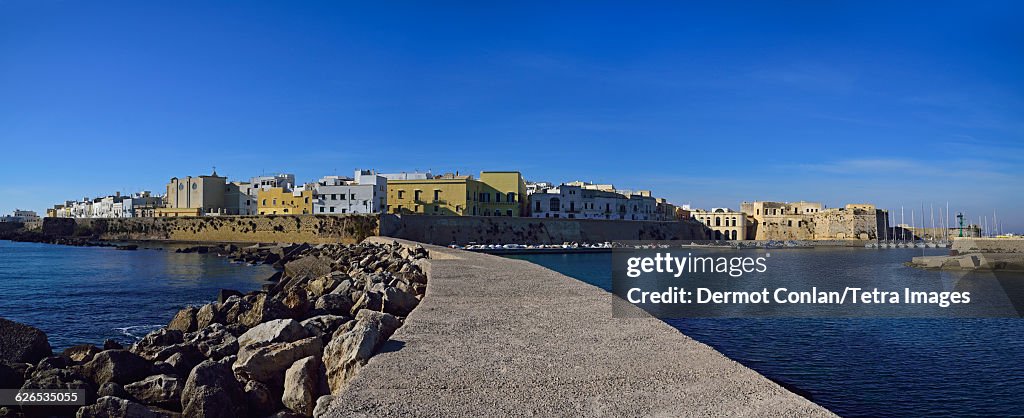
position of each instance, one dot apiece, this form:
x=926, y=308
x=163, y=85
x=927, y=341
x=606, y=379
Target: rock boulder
x=20, y=343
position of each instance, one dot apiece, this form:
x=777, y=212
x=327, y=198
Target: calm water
x=862, y=367
x=87, y=294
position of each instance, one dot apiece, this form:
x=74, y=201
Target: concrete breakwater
x=977, y=254
x=503, y=337
x=279, y=350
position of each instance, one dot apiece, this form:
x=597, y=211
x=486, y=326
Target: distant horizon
x=889, y=104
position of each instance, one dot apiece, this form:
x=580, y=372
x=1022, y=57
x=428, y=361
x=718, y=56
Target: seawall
x=268, y=228
x=444, y=230
x=502, y=337
x=441, y=230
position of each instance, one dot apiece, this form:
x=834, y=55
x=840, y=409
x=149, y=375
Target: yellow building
x=175, y=212
x=496, y=193
x=281, y=201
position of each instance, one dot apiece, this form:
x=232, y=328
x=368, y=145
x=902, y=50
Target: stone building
x=813, y=221
x=195, y=196
x=781, y=220
x=723, y=223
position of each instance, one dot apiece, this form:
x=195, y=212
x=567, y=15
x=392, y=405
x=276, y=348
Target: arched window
x=555, y=204
x=718, y=221
x=718, y=235
x=733, y=235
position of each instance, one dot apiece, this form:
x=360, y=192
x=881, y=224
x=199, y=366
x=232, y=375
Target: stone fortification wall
x=444, y=230
x=260, y=228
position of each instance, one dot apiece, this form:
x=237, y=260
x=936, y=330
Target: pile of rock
x=281, y=351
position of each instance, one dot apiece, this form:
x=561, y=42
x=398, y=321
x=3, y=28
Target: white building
x=283, y=180
x=416, y=175
x=22, y=216
x=579, y=202
x=366, y=192
x=539, y=186
x=576, y=202
x=240, y=197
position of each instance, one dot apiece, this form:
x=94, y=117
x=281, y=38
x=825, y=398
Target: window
x=401, y=194
x=416, y=195
x=718, y=221
x=332, y=209
x=285, y=210
x=322, y=209
x=497, y=197
x=537, y=207
x=555, y=205
x=511, y=198
x=264, y=202
x=509, y=212
x=437, y=208
x=437, y=195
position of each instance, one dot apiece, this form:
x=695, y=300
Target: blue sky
x=709, y=105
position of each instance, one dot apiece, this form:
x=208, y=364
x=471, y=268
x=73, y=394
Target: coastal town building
x=195, y=196
x=282, y=201
x=142, y=205
x=414, y=175
x=781, y=220
x=366, y=192
x=21, y=216
x=683, y=212
x=723, y=224
x=240, y=198
x=539, y=186
x=580, y=200
x=283, y=180
x=813, y=221
x=496, y=193
x=137, y=205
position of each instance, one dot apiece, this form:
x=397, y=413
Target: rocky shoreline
x=281, y=351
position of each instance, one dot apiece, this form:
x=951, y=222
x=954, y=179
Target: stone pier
x=502, y=337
